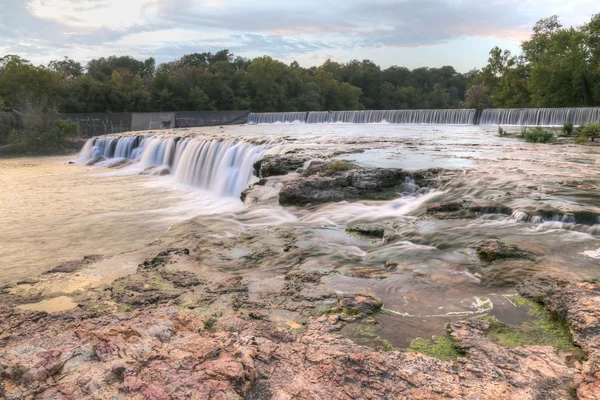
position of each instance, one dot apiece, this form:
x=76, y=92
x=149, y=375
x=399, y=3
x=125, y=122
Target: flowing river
x=182, y=189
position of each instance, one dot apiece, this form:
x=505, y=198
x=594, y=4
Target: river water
x=52, y=212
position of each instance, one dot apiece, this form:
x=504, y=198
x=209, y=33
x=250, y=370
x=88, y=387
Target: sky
x=411, y=33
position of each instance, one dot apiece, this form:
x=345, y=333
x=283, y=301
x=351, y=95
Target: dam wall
x=514, y=116
x=98, y=124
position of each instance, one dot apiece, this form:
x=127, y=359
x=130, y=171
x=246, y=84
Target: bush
x=591, y=131
x=538, y=135
x=568, y=128
x=502, y=132
x=587, y=132
x=338, y=165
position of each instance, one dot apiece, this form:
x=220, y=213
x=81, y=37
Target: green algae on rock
x=441, y=347
x=547, y=329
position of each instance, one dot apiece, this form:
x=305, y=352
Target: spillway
x=223, y=167
x=273, y=118
x=445, y=117
x=539, y=116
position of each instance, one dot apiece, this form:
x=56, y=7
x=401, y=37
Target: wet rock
x=158, y=351
x=579, y=306
x=143, y=289
x=538, y=289
x=273, y=165
x=95, y=161
x=29, y=281
x=120, y=163
x=156, y=171
x=162, y=259
x=314, y=167
x=466, y=209
x=73, y=266
x=486, y=207
x=352, y=184
x=182, y=278
x=359, y=303
x=305, y=276
x=445, y=207
x=491, y=250
x=234, y=284
x=373, y=230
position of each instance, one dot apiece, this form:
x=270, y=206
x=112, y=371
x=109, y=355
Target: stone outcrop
x=273, y=165
x=491, y=250
x=189, y=338
x=465, y=209
x=339, y=184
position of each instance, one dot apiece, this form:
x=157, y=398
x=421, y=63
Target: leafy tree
x=477, y=97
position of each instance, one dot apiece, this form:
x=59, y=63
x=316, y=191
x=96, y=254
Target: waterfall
x=273, y=118
x=449, y=117
x=539, y=116
x=222, y=167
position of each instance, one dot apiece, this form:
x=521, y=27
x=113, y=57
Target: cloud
x=308, y=29
x=214, y=4
x=91, y=14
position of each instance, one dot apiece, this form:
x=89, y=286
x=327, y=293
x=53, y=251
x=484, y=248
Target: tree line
x=558, y=67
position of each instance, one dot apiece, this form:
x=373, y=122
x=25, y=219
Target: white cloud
x=93, y=14
x=214, y=4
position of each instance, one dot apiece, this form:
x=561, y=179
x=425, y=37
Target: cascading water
x=222, y=167
x=273, y=118
x=447, y=117
x=539, y=116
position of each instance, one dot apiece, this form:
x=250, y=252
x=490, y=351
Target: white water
x=273, y=118
x=223, y=167
x=448, y=117
x=509, y=116
x=539, y=116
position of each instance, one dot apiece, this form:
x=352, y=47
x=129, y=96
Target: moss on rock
x=441, y=347
x=547, y=329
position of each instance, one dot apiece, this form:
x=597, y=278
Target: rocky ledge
x=339, y=181
x=164, y=333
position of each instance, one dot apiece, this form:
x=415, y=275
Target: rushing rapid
x=223, y=167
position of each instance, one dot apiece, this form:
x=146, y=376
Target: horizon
x=408, y=33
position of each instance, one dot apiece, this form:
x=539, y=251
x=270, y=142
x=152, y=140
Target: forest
x=558, y=67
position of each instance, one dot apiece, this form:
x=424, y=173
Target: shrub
x=591, y=131
x=502, y=132
x=338, y=165
x=538, y=135
x=568, y=128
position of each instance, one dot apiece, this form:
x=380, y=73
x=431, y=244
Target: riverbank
x=71, y=146
x=164, y=332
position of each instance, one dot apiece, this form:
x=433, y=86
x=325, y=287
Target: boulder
x=491, y=250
